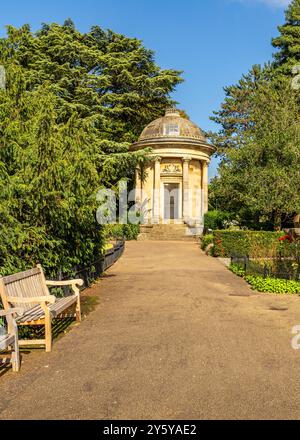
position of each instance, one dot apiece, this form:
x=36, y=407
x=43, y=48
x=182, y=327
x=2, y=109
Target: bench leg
x=78, y=310
x=15, y=358
x=48, y=333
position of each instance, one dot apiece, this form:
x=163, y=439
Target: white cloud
x=281, y=3
x=272, y=3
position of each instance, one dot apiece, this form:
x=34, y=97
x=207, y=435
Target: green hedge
x=206, y=240
x=129, y=231
x=215, y=219
x=253, y=243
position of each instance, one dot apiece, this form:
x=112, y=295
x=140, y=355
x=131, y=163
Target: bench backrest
x=28, y=284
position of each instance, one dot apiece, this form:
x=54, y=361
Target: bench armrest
x=78, y=282
x=12, y=312
x=50, y=299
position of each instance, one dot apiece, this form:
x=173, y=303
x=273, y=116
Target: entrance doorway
x=171, y=201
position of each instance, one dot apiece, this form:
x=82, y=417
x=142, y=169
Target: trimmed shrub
x=206, y=240
x=129, y=232
x=255, y=244
x=216, y=219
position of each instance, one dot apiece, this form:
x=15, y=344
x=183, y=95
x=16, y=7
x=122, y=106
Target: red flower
x=286, y=238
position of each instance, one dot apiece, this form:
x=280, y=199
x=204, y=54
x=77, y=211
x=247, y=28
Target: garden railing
x=265, y=269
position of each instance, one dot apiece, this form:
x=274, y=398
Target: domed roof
x=172, y=125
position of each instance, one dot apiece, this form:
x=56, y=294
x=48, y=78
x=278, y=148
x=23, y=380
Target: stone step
x=158, y=237
x=184, y=232
x=182, y=238
x=156, y=228
x=166, y=232
x=168, y=237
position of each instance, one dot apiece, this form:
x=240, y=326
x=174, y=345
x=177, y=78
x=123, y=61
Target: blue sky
x=213, y=41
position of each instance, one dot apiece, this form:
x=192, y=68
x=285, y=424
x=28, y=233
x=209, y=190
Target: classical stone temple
x=173, y=187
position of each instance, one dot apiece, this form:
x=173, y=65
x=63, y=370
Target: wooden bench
x=29, y=291
x=9, y=337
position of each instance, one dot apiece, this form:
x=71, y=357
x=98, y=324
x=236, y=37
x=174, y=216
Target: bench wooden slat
x=21, y=275
x=32, y=314
x=30, y=287
x=6, y=340
x=9, y=338
x=62, y=304
x=36, y=312
x=32, y=284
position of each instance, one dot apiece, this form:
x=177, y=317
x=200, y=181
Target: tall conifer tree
x=288, y=42
x=73, y=104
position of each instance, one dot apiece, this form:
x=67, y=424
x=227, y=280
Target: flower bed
x=267, y=284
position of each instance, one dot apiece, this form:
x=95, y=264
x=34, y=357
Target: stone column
x=156, y=192
x=205, y=186
x=138, y=186
x=186, y=189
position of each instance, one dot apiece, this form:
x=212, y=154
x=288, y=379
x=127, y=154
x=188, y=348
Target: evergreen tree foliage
x=234, y=115
x=73, y=104
x=261, y=180
x=288, y=42
x=259, y=137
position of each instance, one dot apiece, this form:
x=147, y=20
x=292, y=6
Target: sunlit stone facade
x=173, y=187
